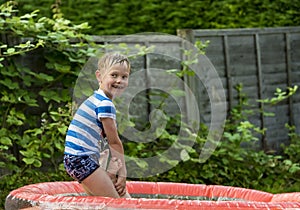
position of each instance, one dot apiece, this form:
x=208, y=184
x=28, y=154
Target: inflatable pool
x=148, y=195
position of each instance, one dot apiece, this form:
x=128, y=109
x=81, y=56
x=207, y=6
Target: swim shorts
x=80, y=167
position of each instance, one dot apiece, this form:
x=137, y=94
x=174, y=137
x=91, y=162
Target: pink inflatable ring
x=149, y=195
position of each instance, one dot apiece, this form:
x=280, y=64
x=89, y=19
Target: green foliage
x=39, y=63
x=291, y=151
x=280, y=95
x=109, y=17
x=237, y=161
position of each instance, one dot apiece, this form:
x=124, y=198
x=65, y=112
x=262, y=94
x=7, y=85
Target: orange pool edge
x=66, y=194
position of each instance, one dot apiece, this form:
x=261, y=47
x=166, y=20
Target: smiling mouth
x=118, y=87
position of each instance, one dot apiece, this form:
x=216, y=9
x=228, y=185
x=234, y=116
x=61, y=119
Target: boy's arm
x=115, y=143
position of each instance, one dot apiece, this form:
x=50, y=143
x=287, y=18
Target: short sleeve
x=106, y=109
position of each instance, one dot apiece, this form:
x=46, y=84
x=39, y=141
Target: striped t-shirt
x=85, y=133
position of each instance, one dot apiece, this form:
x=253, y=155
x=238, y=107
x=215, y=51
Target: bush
x=39, y=63
x=238, y=161
x=109, y=17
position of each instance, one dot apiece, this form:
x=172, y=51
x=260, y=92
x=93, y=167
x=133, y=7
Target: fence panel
x=262, y=60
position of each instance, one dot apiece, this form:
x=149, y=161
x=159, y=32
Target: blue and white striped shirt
x=85, y=133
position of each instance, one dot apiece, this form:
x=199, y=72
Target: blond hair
x=108, y=60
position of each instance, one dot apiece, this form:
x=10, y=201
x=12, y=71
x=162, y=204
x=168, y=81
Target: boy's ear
x=98, y=75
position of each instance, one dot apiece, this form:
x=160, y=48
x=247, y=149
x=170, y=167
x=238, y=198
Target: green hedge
x=109, y=17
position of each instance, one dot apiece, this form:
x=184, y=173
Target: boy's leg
x=86, y=190
x=99, y=183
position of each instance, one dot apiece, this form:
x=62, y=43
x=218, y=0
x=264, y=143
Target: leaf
x=141, y=163
x=42, y=76
x=294, y=168
x=10, y=72
x=62, y=130
x=84, y=25
x=46, y=77
x=10, y=84
x=62, y=68
x=10, y=51
x=34, y=132
x=27, y=80
x=30, y=101
x=177, y=93
x=27, y=153
x=5, y=141
x=269, y=114
x=184, y=155
x=28, y=161
x=45, y=155
x=59, y=146
x=24, y=45
x=288, y=162
x=2, y=147
x=50, y=95
x=2, y=164
x=15, y=118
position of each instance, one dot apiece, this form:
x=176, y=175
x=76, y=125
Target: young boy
x=92, y=135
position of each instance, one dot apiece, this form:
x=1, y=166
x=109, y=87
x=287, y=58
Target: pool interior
x=167, y=196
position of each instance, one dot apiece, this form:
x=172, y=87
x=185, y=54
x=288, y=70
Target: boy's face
x=114, y=81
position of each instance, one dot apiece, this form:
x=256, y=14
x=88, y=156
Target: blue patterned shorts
x=80, y=167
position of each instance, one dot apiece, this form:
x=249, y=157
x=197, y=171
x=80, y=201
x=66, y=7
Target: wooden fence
x=262, y=59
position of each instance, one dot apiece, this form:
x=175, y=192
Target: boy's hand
x=113, y=167
x=113, y=177
x=120, y=185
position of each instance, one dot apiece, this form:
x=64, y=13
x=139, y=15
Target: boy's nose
x=118, y=80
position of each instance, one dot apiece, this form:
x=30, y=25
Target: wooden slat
x=260, y=86
x=228, y=72
x=289, y=40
